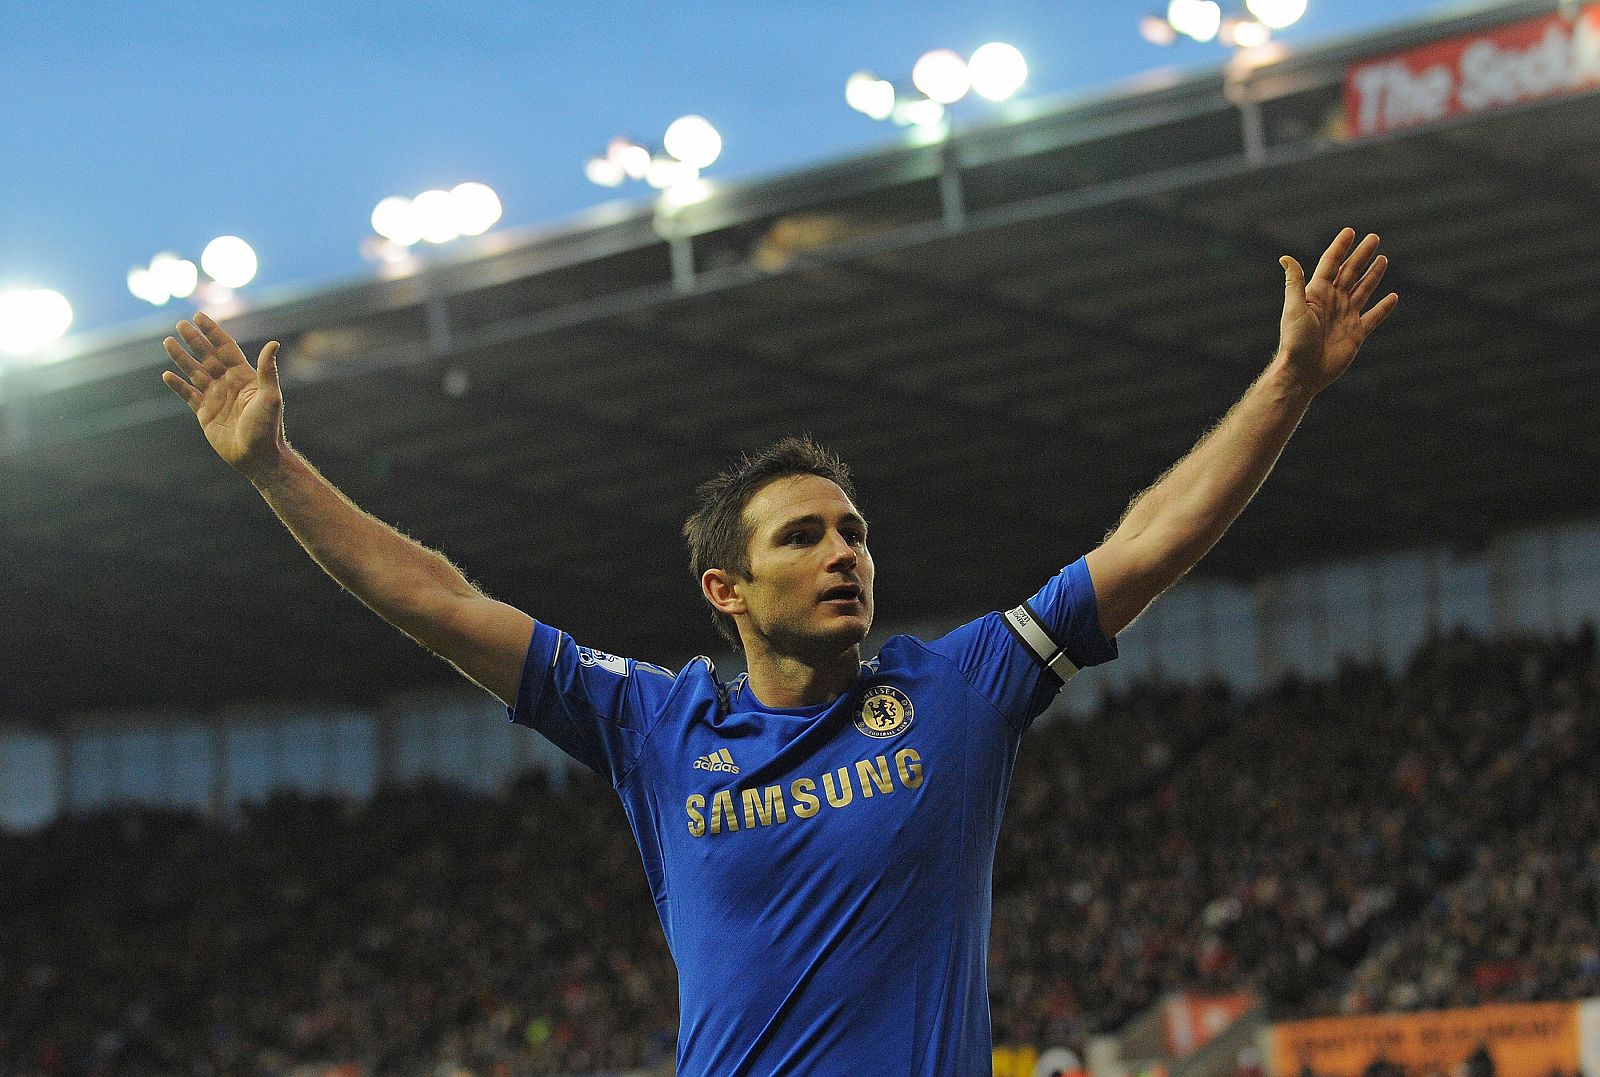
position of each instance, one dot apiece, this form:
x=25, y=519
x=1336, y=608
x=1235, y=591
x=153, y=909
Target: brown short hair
x=716, y=531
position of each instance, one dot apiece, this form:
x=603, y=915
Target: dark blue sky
x=127, y=129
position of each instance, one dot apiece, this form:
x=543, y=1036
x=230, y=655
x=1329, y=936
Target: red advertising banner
x=1550, y=56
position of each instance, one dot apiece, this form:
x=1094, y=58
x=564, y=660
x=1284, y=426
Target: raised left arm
x=1170, y=526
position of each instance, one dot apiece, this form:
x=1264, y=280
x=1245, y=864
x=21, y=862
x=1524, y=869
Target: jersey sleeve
x=596, y=707
x=1020, y=659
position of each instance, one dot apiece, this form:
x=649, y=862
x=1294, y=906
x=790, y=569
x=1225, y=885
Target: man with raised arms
x=818, y=834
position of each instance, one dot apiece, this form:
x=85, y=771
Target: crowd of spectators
x=1520, y=925
x=1310, y=828
x=508, y=934
x=1359, y=843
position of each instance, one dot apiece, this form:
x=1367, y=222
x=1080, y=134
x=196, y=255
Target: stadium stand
x=1337, y=844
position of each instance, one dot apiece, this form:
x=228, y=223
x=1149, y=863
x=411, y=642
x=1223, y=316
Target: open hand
x=1323, y=325
x=240, y=407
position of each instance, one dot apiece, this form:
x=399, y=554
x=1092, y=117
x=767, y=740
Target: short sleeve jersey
x=823, y=874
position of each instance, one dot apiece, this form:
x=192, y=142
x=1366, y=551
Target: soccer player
x=819, y=834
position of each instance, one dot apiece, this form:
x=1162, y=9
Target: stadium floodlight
x=666, y=171
x=673, y=168
x=467, y=209
x=692, y=140
x=939, y=78
x=147, y=286
x=630, y=156
x=436, y=217
x=229, y=261
x=1157, y=30
x=1276, y=14
x=920, y=112
x=866, y=92
x=388, y=254
x=686, y=192
x=942, y=76
x=1243, y=33
x=604, y=171
x=998, y=71
x=1199, y=19
x=395, y=219
x=178, y=277
x=476, y=207
x=31, y=318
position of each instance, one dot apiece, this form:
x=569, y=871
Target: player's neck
x=781, y=680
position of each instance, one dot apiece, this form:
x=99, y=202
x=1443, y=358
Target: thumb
x=267, y=367
x=1293, y=276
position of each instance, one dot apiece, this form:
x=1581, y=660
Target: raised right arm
x=418, y=590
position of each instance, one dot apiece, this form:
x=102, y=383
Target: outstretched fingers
x=1328, y=264
x=1368, y=283
x=185, y=392
x=204, y=352
x=1374, y=317
x=185, y=362
x=222, y=344
x=1358, y=260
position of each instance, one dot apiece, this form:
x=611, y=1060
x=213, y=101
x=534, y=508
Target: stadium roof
x=1008, y=334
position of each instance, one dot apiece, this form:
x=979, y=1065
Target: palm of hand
x=232, y=413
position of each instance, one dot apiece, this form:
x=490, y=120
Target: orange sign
x=1523, y=1040
x=1549, y=56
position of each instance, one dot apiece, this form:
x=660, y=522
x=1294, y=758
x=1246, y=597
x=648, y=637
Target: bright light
x=692, y=140
x=866, y=92
x=942, y=75
x=176, y=276
x=147, y=286
x=632, y=158
x=604, y=171
x=998, y=71
x=922, y=113
x=32, y=317
x=385, y=252
x=229, y=261
x=1157, y=31
x=669, y=172
x=395, y=220
x=436, y=216
x=1244, y=33
x=1276, y=14
x=686, y=193
x=1199, y=19
x=217, y=299
x=476, y=207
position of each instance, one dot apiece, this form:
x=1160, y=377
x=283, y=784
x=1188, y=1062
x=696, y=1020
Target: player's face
x=810, y=588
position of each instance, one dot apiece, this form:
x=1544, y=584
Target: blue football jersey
x=823, y=874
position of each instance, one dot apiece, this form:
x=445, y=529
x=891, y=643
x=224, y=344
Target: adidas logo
x=720, y=761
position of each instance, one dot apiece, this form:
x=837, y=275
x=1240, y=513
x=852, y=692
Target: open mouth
x=844, y=593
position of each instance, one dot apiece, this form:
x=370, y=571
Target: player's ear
x=722, y=592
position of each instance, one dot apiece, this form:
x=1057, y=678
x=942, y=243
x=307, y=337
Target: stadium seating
x=1343, y=846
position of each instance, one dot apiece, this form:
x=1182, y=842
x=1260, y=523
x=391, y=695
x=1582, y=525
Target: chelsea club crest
x=885, y=712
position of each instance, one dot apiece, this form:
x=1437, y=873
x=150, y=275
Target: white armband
x=1027, y=628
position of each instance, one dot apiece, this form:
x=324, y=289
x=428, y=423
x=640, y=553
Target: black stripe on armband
x=1037, y=640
